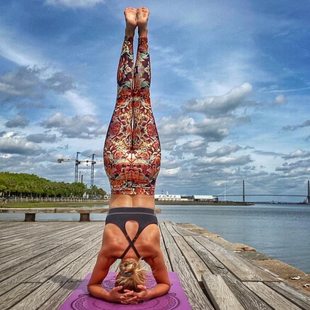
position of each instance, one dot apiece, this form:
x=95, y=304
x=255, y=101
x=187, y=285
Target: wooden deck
x=42, y=262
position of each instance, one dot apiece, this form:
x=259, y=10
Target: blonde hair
x=131, y=274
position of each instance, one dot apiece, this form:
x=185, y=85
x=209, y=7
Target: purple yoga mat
x=81, y=300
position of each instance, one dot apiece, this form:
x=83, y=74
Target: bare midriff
x=137, y=201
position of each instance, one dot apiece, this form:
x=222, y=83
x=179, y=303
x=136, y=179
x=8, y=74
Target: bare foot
x=142, y=20
x=131, y=21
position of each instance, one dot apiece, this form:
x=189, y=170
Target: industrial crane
x=76, y=166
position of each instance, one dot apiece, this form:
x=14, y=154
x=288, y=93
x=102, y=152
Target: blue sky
x=230, y=90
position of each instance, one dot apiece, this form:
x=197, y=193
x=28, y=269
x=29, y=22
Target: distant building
x=167, y=196
x=170, y=197
x=205, y=198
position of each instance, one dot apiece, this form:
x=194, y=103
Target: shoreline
x=105, y=202
x=203, y=203
x=72, y=204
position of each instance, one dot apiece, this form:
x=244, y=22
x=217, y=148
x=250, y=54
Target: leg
x=118, y=141
x=146, y=145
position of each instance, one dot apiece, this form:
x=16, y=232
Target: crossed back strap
x=131, y=244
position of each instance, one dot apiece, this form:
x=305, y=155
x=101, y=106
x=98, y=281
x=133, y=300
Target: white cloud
x=9, y=89
x=221, y=104
x=18, y=121
x=81, y=104
x=226, y=160
x=294, y=127
x=79, y=126
x=297, y=154
x=224, y=150
x=33, y=78
x=170, y=172
x=41, y=137
x=300, y=167
x=13, y=49
x=11, y=143
x=288, y=90
x=280, y=99
x=211, y=129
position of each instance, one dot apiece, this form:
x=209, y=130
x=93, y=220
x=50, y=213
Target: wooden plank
x=13, y=296
x=301, y=300
x=35, y=299
x=194, y=261
x=7, y=224
x=35, y=263
x=220, y=294
x=23, y=275
x=8, y=243
x=164, y=250
x=27, y=228
x=237, y=265
x=34, y=239
x=40, y=248
x=9, y=230
x=196, y=297
x=33, y=252
x=31, y=230
x=183, y=231
x=172, y=232
x=271, y=297
x=81, y=234
x=59, y=297
x=60, y=264
x=246, y=297
x=63, y=255
x=37, y=233
x=21, y=295
x=23, y=235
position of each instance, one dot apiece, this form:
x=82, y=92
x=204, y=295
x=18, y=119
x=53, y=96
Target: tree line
x=30, y=185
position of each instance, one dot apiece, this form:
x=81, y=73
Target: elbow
x=167, y=287
x=90, y=289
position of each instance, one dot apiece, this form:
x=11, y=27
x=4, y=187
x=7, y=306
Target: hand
x=115, y=295
x=142, y=295
x=130, y=298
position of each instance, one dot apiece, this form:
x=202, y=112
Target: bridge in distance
x=244, y=194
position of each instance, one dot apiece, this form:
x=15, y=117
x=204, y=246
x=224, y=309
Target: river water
x=277, y=230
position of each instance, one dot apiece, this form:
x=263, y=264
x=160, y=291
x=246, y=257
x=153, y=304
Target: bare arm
x=161, y=276
x=100, y=271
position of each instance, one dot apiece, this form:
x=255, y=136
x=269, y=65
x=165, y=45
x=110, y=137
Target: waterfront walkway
x=42, y=262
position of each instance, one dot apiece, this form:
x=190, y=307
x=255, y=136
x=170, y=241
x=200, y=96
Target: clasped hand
x=129, y=296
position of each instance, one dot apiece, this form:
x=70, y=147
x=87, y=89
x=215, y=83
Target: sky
x=230, y=91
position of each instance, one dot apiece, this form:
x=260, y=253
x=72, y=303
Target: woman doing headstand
x=132, y=163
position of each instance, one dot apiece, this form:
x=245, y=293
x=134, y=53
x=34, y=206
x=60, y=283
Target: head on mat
x=132, y=157
x=131, y=274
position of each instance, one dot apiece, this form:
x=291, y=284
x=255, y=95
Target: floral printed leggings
x=132, y=148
